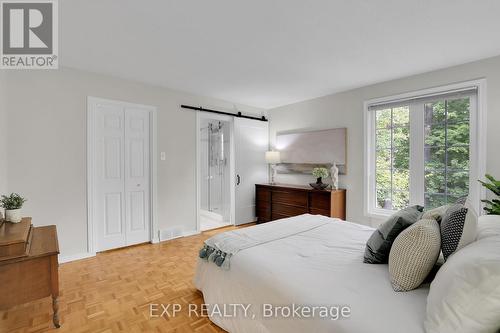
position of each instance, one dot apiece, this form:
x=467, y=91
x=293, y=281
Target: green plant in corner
x=11, y=202
x=492, y=206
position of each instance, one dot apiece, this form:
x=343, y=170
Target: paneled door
x=121, y=191
x=137, y=175
x=250, y=145
x=109, y=196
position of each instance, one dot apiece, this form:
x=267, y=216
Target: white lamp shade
x=273, y=157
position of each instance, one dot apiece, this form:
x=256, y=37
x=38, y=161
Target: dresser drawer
x=261, y=204
x=296, y=198
x=263, y=194
x=289, y=210
x=316, y=211
x=263, y=214
x=320, y=200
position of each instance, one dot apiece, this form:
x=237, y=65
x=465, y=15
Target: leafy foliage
x=446, y=151
x=13, y=201
x=320, y=172
x=446, y=124
x=493, y=206
x=393, y=157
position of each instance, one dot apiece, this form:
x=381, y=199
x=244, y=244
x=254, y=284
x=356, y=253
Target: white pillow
x=470, y=226
x=464, y=296
x=489, y=226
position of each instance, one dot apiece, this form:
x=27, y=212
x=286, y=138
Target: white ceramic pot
x=13, y=215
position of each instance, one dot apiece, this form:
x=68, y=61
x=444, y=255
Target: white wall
x=346, y=110
x=3, y=139
x=47, y=147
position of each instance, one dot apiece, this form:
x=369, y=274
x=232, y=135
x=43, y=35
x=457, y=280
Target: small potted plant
x=492, y=206
x=319, y=174
x=12, y=205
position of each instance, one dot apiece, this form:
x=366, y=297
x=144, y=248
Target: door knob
x=238, y=179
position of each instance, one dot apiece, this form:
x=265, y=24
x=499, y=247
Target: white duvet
x=316, y=269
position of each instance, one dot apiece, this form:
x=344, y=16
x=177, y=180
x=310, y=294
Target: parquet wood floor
x=112, y=292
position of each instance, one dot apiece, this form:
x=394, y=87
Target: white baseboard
x=73, y=257
x=190, y=233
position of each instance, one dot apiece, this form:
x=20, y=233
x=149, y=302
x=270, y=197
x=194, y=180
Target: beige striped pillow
x=414, y=254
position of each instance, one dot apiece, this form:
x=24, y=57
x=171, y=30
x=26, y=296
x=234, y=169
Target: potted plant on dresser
x=12, y=205
x=319, y=174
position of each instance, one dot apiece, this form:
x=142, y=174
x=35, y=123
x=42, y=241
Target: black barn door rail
x=239, y=114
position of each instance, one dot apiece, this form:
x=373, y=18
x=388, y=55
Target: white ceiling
x=268, y=53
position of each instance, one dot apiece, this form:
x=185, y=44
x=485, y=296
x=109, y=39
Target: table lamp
x=273, y=158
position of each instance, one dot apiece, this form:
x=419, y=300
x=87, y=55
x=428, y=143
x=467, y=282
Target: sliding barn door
x=251, y=143
x=121, y=186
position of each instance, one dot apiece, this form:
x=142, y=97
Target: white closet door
x=121, y=171
x=137, y=175
x=251, y=143
x=109, y=196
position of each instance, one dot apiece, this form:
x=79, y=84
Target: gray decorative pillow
x=413, y=255
x=379, y=245
x=458, y=228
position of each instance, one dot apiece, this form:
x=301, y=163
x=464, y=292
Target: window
x=393, y=157
x=446, y=151
x=422, y=149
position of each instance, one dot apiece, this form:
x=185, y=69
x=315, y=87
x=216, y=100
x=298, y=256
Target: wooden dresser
x=279, y=201
x=28, y=264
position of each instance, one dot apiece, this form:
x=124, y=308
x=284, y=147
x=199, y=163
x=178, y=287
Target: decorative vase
x=13, y=215
x=334, y=172
x=319, y=185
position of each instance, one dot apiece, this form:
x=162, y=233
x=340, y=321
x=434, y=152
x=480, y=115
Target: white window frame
x=477, y=148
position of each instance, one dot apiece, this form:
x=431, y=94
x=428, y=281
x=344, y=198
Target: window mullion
x=446, y=146
x=474, y=153
x=372, y=144
x=417, y=158
x=392, y=157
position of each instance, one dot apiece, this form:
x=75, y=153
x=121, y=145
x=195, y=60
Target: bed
x=322, y=266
